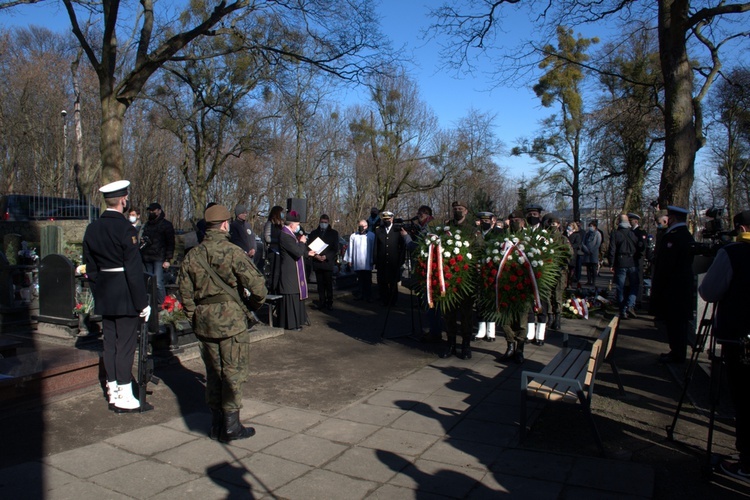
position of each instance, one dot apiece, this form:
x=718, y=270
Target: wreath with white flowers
x=446, y=268
x=519, y=272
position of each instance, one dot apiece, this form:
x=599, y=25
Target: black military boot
x=217, y=423
x=465, y=349
x=450, y=349
x=233, y=428
x=556, y=323
x=510, y=352
x=518, y=356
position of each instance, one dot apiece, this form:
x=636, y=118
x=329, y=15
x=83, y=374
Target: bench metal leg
x=590, y=417
x=616, y=372
x=524, y=400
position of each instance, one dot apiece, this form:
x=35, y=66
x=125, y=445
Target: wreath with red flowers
x=519, y=272
x=446, y=268
x=172, y=312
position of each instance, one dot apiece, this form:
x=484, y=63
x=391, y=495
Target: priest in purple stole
x=293, y=283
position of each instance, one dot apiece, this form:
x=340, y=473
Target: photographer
x=727, y=283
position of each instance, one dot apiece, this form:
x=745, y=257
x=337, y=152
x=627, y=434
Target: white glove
x=146, y=313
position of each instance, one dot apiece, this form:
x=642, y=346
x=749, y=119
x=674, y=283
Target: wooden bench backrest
x=596, y=358
x=613, y=324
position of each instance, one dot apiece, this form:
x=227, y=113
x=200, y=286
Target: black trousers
x=120, y=338
x=325, y=286
x=738, y=377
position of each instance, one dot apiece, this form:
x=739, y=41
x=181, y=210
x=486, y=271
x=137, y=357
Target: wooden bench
x=570, y=377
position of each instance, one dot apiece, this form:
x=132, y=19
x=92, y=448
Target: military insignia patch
x=135, y=240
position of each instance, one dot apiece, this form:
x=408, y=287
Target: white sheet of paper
x=318, y=246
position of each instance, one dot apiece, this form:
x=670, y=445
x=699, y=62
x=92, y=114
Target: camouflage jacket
x=209, y=315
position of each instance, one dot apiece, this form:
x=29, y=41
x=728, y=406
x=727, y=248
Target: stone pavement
x=438, y=429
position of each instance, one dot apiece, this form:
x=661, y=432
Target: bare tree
x=475, y=25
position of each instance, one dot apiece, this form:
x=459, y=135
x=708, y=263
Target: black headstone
x=57, y=288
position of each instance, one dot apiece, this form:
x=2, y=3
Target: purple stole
x=301, y=279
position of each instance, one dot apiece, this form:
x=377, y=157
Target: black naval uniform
x=114, y=267
x=389, y=254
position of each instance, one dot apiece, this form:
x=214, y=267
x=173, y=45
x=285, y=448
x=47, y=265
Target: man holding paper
x=325, y=244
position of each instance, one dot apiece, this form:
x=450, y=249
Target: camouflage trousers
x=516, y=327
x=226, y=363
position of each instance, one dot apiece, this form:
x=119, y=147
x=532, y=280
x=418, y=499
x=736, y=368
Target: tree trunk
x=681, y=142
x=113, y=113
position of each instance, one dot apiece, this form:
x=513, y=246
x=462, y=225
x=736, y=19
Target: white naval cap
x=677, y=210
x=115, y=189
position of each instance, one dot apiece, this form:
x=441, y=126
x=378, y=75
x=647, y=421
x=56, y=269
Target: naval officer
x=114, y=267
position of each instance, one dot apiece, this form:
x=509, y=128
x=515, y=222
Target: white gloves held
x=146, y=313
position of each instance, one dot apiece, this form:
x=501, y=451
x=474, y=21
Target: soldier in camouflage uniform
x=219, y=321
x=515, y=327
x=556, y=298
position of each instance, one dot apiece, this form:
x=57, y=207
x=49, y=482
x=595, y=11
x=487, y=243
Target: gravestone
x=57, y=297
x=7, y=294
x=52, y=240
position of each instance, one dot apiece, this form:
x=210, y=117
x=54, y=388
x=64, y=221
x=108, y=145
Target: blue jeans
x=631, y=273
x=155, y=269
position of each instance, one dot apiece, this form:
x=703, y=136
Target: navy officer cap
x=533, y=207
x=115, y=189
x=486, y=215
x=631, y=215
x=677, y=210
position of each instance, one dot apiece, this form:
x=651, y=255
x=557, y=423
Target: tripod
x=704, y=333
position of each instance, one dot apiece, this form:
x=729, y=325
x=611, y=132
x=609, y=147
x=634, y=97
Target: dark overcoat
x=291, y=251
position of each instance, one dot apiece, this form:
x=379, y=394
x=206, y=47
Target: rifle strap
x=200, y=258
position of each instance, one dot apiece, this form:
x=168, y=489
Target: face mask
x=515, y=226
x=362, y=229
x=297, y=229
x=323, y=226
x=458, y=215
x=533, y=221
x=591, y=229
x=387, y=223
x=152, y=216
x=373, y=214
x=282, y=216
x=568, y=229
x=132, y=219
x=486, y=226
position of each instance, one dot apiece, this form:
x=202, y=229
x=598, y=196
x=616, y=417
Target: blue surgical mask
x=297, y=229
x=323, y=226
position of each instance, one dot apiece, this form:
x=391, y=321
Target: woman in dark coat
x=292, y=282
x=574, y=236
x=271, y=233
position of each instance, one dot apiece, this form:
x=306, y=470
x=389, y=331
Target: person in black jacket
x=241, y=233
x=727, y=283
x=115, y=271
x=324, y=262
x=623, y=250
x=674, y=284
x=157, y=247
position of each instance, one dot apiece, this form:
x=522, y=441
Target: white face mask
x=132, y=219
x=323, y=226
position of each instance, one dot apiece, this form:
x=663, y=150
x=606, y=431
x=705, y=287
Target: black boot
x=450, y=349
x=465, y=350
x=556, y=323
x=510, y=352
x=217, y=423
x=518, y=356
x=233, y=428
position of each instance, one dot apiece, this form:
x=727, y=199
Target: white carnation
x=515, y=240
x=433, y=238
x=551, y=252
x=521, y=260
x=496, y=251
x=446, y=254
x=468, y=256
x=449, y=242
x=534, y=263
x=466, y=243
x=521, y=247
x=496, y=259
x=457, y=250
x=446, y=229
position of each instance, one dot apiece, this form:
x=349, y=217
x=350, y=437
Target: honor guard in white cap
x=115, y=271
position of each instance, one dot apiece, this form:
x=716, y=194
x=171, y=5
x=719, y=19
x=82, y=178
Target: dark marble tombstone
x=57, y=290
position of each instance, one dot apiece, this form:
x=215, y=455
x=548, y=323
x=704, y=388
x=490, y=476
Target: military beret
x=292, y=216
x=631, y=215
x=115, y=189
x=486, y=215
x=217, y=213
x=742, y=218
x=458, y=204
x=517, y=214
x=677, y=210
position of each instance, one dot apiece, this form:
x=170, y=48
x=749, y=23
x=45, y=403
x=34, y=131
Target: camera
x=409, y=226
x=145, y=241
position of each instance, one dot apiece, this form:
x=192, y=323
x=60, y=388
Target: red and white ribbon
x=435, y=248
x=534, y=286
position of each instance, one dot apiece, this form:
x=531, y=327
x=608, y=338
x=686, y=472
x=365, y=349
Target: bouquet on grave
x=446, y=268
x=172, y=312
x=84, y=303
x=518, y=272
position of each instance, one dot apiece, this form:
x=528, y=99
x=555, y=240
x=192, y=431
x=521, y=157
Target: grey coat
x=592, y=240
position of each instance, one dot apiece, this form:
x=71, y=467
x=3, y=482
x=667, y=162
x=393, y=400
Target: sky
x=518, y=111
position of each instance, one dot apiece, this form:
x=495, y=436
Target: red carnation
x=459, y=257
x=519, y=272
x=519, y=286
x=491, y=280
x=453, y=262
x=448, y=276
x=456, y=268
x=513, y=279
x=466, y=267
x=506, y=288
x=458, y=279
x=538, y=274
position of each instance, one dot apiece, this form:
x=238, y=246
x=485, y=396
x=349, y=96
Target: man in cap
x=533, y=213
x=114, y=267
x=464, y=309
x=488, y=232
x=673, y=285
x=324, y=262
x=623, y=249
x=537, y=320
x=727, y=283
x=157, y=247
x=389, y=255
x=552, y=223
x=515, y=328
x=241, y=233
x=219, y=319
